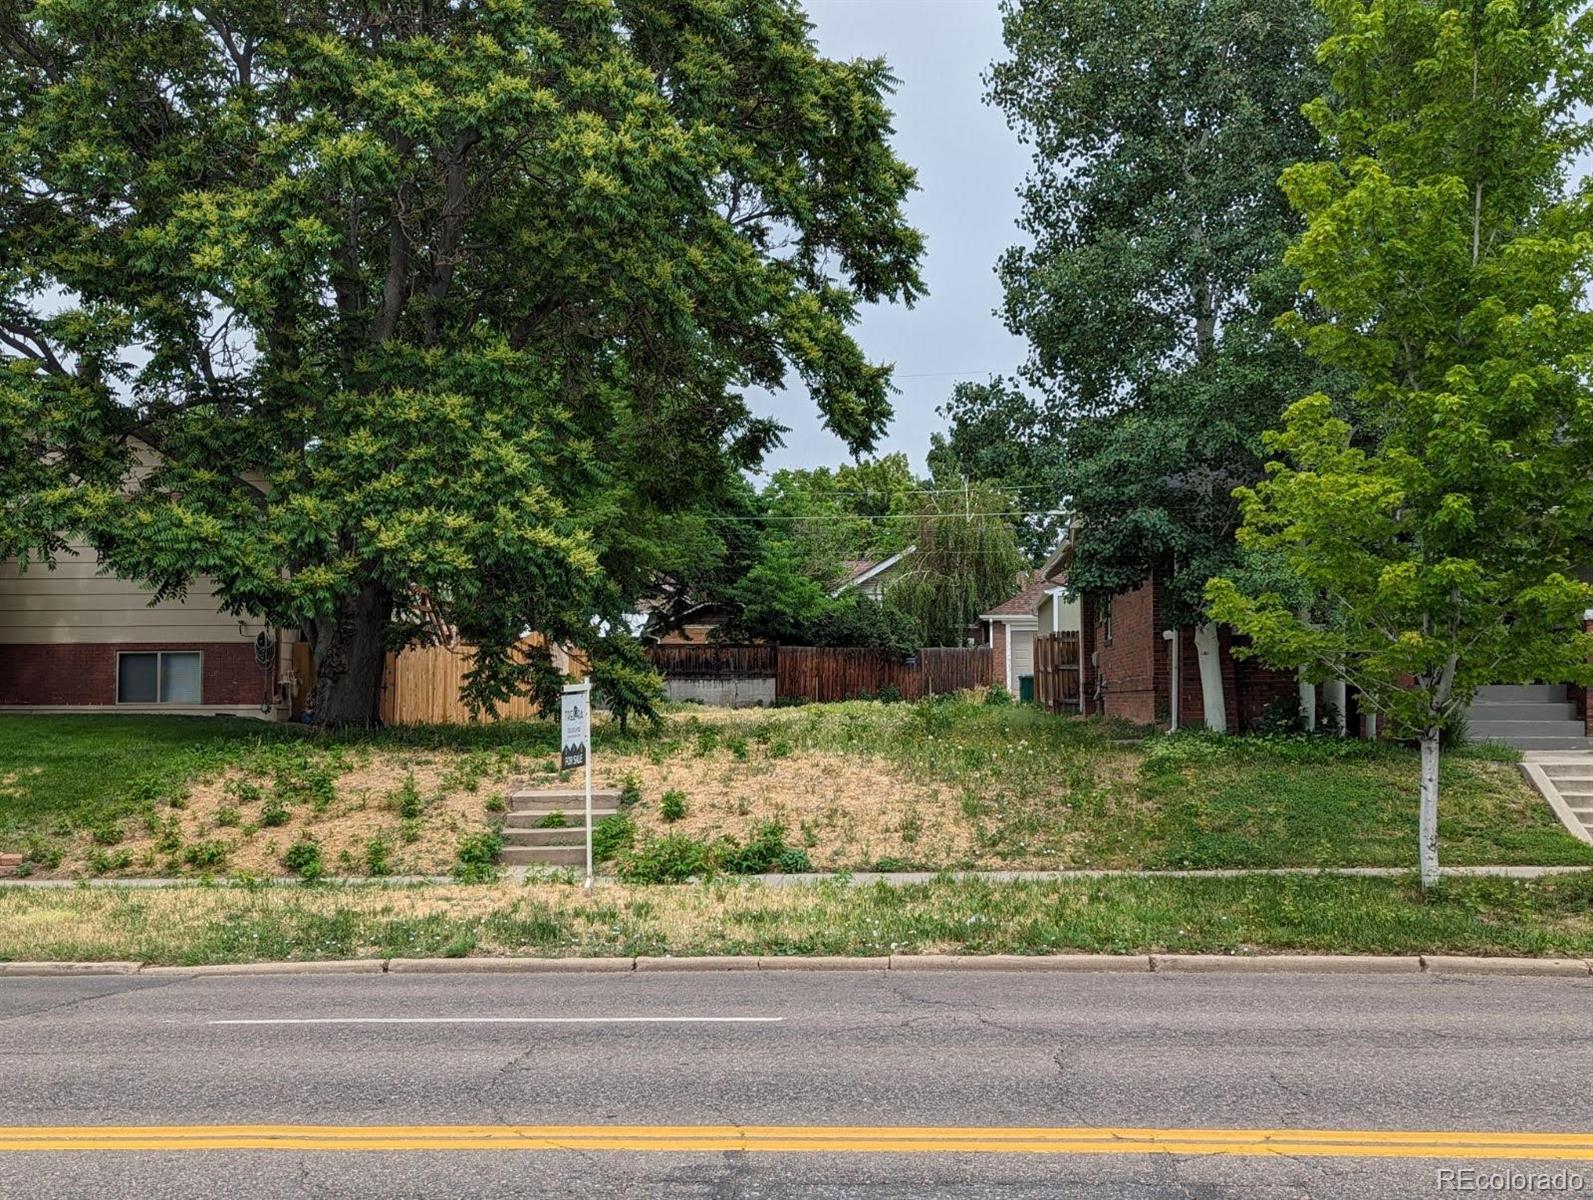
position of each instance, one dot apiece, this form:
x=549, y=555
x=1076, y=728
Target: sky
x=969, y=167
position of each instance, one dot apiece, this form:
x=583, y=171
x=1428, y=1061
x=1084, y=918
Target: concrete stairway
x=1566, y=780
x=1534, y=716
x=527, y=841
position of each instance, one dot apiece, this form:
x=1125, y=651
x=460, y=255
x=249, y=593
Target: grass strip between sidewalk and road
x=196, y=924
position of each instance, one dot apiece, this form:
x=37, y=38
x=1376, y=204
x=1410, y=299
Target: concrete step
x=1521, y=693
x=563, y=800
x=1525, y=711
x=1568, y=773
x=1552, y=743
x=543, y=856
x=575, y=817
x=544, y=837
x=1509, y=730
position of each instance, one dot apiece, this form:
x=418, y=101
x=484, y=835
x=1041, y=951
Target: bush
x=477, y=858
x=612, y=835
x=227, y=816
x=624, y=681
x=406, y=800
x=997, y=696
x=497, y=804
x=674, y=858
x=890, y=694
x=243, y=791
x=1281, y=716
x=553, y=820
x=673, y=805
x=106, y=832
x=273, y=814
x=304, y=857
x=630, y=790
x=103, y=862
x=207, y=855
x=378, y=855
x=766, y=852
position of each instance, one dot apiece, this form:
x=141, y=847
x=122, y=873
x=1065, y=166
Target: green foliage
x=273, y=814
x=611, y=836
x=477, y=857
x=378, y=855
x=228, y=817
x=406, y=802
x=209, y=855
x=997, y=696
x=479, y=297
x=765, y=852
x=672, y=806
x=304, y=857
x=1432, y=519
x=552, y=820
x=624, y=682
x=966, y=562
x=674, y=858
x=1150, y=276
x=630, y=792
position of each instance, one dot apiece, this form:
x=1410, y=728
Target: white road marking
x=500, y=1021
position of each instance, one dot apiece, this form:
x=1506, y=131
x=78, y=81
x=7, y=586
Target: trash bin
x=1026, y=688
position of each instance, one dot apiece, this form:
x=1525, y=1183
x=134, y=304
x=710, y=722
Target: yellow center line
x=776, y=1139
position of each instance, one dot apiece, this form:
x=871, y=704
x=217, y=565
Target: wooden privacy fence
x=422, y=685
x=1056, y=671
x=825, y=673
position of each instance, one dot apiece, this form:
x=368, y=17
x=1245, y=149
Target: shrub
x=612, y=835
x=170, y=840
x=208, y=855
x=764, y=853
x=673, y=858
x=997, y=696
x=1282, y=716
x=497, y=804
x=630, y=790
x=890, y=694
x=406, y=801
x=378, y=855
x=673, y=805
x=306, y=779
x=102, y=862
x=552, y=820
x=273, y=814
x=227, y=816
x=243, y=791
x=106, y=832
x=477, y=858
x=304, y=857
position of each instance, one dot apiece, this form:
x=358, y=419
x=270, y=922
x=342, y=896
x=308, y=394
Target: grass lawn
x=859, y=785
x=194, y=923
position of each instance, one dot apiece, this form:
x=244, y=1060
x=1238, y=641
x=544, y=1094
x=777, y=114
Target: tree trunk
x=1308, y=704
x=350, y=655
x=1428, y=825
x=1208, y=655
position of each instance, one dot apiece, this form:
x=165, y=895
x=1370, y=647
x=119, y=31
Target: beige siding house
x=73, y=639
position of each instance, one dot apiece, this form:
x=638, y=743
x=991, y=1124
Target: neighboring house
x=873, y=577
x=75, y=640
x=1010, y=627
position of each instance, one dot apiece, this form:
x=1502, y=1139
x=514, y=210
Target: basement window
x=159, y=677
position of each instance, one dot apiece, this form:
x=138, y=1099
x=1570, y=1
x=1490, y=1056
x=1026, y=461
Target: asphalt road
x=934, y=1050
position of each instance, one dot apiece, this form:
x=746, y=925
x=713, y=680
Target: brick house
x=75, y=640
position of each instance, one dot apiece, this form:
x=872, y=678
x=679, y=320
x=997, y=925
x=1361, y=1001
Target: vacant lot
x=949, y=784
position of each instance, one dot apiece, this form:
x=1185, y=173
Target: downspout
x=1171, y=638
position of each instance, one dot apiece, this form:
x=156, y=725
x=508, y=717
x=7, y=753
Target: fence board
x=1056, y=671
x=828, y=673
x=713, y=661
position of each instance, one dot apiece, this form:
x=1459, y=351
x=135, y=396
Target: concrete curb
x=8, y=969
x=504, y=966
x=1278, y=964
x=1191, y=964
x=342, y=966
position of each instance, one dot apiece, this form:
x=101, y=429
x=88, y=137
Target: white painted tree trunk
x=1428, y=824
x=1308, y=704
x=1210, y=659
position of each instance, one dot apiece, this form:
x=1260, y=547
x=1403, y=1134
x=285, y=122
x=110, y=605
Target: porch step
x=1582, y=742
x=1527, y=710
x=1521, y=693
x=1566, y=780
x=564, y=800
x=543, y=856
x=570, y=836
x=1510, y=731
x=574, y=819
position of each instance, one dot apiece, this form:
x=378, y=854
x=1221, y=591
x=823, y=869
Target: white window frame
x=160, y=675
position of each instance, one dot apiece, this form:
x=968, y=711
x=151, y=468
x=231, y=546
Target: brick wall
x=85, y=672
x=1132, y=665
x=998, y=652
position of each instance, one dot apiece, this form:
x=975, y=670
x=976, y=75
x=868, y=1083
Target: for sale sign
x=576, y=723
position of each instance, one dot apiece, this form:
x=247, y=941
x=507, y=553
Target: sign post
x=575, y=724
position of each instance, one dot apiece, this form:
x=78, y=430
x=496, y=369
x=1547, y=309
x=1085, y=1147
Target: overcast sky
x=969, y=167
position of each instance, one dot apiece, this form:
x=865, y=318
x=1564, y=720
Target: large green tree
x=1151, y=279
x=407, y=317
x=1435, y=516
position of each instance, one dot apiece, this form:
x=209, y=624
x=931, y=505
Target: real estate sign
x=576, y=725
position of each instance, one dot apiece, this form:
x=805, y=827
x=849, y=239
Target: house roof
x=1032, y=588
x=860, y=570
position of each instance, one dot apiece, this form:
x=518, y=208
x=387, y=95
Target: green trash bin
x=1026, y=688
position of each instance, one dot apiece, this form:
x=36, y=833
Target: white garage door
x=1022, y=653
